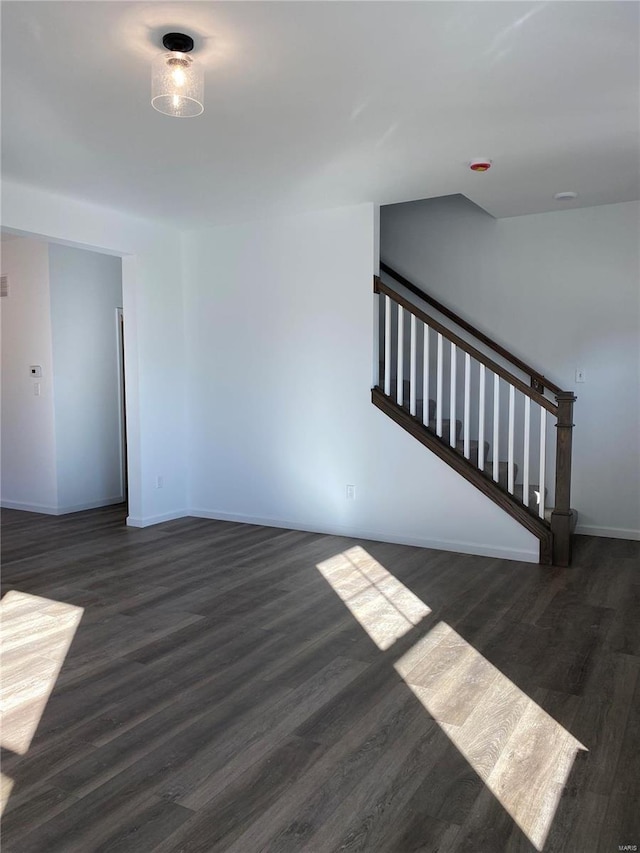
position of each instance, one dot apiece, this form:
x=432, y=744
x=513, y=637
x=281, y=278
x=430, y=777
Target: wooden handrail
x=380, y=287
x=538, y=381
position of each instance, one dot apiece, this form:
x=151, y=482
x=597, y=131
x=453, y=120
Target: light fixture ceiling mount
x=178, y=42
x=177, y=80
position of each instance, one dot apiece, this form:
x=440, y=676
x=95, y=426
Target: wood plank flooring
x=211, y=686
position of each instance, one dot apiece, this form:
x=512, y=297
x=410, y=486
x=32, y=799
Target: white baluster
x=439, y=389
x=376, y=340
x=543, y=461
x=481, y=401
x=425, y=378
x=527, y=439
x=412, y=374
x=510, y=466
x=452, y=396
x=467, y=405
x=387, y=346
x=496, y=427
x=400, y=376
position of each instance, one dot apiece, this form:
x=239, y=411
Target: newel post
x=561, y=515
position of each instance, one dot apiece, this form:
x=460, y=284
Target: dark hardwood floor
x=223, y=687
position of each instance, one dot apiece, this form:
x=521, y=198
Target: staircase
x=487, y=413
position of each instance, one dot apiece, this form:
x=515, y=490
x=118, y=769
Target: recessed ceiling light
x=565, y=196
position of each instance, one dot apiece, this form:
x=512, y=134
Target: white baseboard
x=64, y=510
x=478, y=548
x=608, y=532
x=475, y=548
x=41, y=508
x=149, y=521
x=61, y=510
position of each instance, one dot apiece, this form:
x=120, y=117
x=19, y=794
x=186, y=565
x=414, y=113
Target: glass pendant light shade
x=177, y=85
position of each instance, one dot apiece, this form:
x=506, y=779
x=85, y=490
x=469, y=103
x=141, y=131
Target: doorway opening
x=63, y=366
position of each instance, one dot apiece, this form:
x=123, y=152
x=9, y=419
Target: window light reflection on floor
x=522, y=754
x=381, y=604
x=6, y=786
x=36, y=635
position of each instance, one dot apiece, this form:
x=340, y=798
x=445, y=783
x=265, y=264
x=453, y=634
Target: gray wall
x=562, y=290
x=28, y=428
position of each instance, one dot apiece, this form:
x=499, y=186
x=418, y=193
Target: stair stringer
x=540, y=528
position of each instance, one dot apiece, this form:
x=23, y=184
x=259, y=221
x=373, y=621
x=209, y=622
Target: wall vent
x=4, y=285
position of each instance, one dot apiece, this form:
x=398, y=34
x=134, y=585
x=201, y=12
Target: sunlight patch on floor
x=385, y=608
x=522, y=754
x=36, y=635
x=6, y=786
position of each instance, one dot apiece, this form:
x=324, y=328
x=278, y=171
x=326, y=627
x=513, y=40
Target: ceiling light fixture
x=177, y=81
x=565, y=196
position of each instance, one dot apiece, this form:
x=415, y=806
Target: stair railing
x=418, y=360
x=539, y=382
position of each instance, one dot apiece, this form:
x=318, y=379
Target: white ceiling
x=316, y=104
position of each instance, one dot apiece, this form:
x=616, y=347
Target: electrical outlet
x=580, y=376
x=159, y=482
x=351, y=493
